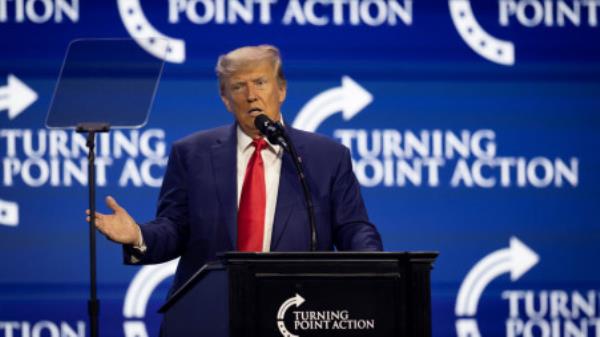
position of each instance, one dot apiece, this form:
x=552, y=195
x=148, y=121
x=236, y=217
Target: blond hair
x=244, y=57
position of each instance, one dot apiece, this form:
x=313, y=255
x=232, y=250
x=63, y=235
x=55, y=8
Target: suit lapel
x=289, y=195
x=225, y=176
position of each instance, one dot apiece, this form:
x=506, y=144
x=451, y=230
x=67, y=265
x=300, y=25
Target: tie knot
x=260, y=144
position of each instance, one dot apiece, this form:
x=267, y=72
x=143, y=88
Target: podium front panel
x=327, y=294
x=363, y=294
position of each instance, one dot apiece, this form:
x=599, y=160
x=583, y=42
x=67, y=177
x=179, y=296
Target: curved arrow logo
x=148, y=37
x=297, y=301
x=517, y=259
x=350, y=99
x=487, y=46
x=16, y=96
x=138, y=295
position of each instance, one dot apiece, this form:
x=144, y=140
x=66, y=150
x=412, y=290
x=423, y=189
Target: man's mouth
x=255, y=111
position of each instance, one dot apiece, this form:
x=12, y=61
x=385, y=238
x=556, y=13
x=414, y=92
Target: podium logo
x=138, y=294
x=293, y=301
x=318, y=320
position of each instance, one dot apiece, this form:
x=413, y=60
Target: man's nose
x=252, y=93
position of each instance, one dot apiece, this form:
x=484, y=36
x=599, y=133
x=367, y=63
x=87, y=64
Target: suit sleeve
x=352, y=228
x=166, y=236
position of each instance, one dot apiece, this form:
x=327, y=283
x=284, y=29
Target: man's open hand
x=119, y=226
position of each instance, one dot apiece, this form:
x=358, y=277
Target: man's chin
x=251, y=131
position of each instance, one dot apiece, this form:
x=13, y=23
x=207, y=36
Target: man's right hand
x=119, y=226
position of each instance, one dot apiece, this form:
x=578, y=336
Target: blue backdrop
x=473, y=128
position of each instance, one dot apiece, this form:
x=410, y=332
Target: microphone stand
x=289, y=146
x=277, y=135
x=309, y=204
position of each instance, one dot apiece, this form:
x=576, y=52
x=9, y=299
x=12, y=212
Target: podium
x=304, y=294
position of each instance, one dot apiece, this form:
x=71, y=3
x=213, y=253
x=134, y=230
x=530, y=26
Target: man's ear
x=226, y=102
x=282, y=92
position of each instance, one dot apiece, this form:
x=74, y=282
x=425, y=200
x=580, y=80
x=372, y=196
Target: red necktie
x=253, y=202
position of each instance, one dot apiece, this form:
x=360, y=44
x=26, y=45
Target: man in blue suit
x=228, y=189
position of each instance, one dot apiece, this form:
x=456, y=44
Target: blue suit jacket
x=197, y=208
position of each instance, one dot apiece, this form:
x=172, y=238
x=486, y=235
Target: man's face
x=252, y=91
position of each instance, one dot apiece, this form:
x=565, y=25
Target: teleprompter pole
x=93, y=303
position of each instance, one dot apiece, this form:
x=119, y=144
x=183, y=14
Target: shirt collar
x=244, y=141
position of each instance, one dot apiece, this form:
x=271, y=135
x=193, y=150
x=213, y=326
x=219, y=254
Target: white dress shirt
x=271, y=156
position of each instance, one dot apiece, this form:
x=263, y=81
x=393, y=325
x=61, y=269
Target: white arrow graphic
x=350, y=99
x=516, y=259
x=148, y=37
x=16, y=96
x=297, y=301
x=141, y=288
x=484, y=44
x=467, y=327
x=9, y=213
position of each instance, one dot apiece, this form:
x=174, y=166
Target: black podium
x=305, y=294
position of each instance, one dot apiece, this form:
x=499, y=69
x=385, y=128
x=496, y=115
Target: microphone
x=273, y=130
x=276, y=135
